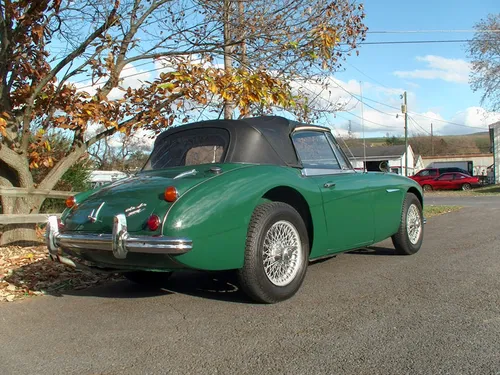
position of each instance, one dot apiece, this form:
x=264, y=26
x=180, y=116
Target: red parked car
x=432, y=173
x=450, y=181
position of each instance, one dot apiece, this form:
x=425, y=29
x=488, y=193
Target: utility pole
x=404, y=109
x=363, y=125
x=432, y=141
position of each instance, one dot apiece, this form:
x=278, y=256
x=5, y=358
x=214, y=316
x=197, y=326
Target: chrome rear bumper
x=120, y=242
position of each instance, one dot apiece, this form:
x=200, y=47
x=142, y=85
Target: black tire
x=427, y=188
x=401, y=240
x=150, y=279
x=466, y=187
x=253, y=278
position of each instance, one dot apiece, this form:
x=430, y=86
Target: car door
x=389, y=194
x=443, y=182
x=346, y=194
x=460, y=179
x=425, y=175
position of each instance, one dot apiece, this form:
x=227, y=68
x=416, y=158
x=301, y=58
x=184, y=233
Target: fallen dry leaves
x=28, y=271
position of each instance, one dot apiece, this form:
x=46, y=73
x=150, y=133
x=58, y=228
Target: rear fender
x=215, y=215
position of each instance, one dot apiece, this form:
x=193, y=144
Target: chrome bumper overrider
x=120, y=242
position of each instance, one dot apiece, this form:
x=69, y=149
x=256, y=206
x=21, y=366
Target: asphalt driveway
x=365, y=312
x=466, y=201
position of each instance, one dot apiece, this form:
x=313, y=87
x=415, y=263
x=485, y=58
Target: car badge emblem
x=135, y=209
x=93, y=216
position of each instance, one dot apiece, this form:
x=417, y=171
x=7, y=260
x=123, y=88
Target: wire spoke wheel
x=276, y=253
x=413, y=224
x=282, y=253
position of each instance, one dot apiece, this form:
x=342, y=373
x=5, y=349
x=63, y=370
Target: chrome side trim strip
x=391, y=190
x=308, y=172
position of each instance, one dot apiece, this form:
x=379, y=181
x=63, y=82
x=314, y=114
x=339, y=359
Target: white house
x=476, y=164
x=394, y=156
x=495, y=148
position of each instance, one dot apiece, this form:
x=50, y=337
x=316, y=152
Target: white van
x=100, y=178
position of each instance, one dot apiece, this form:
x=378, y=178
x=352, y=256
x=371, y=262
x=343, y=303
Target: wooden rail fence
x=30, y=218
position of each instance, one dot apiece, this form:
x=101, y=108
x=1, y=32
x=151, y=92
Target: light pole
x=404, y=110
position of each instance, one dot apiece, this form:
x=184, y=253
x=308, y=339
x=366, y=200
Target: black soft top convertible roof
x=256, y=140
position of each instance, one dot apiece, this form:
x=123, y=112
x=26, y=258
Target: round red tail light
x=153, y=222
x=171, y=194
x=70, y=202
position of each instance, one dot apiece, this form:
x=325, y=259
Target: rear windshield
x=189, y=147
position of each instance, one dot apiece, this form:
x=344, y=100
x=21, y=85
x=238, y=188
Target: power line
x=353, y=96
x=131, y=75
x=376, y=109
x=355, y=115
x=431, y=31
x=387, y=105
x=418, y=125
x=339, y=86
x=363, y=43
x=421, y=41
x=126, y=68
x=366, y=75
x=361, y=100
x=427, y=117
x=448, y=122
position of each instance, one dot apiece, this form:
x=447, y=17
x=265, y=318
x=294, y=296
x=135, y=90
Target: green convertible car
x=262, y=196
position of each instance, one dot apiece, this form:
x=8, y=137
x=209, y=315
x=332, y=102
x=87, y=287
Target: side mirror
x=384, y=166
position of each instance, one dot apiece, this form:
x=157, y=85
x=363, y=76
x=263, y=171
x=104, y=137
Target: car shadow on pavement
x=115, y=289
x=221, y=286
x=374, y=250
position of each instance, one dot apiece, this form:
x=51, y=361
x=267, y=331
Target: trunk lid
x=137, y=197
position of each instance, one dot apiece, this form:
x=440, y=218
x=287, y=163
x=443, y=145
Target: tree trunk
x=25, y=234
x=228, y=50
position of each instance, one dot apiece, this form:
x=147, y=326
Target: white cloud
x=375, y=122
x=330, y=94
x=140, y=140
x=476, y=116
x=130, y=77
x=438, y=67
x=335, y=95
x=338, y=100
x=382, y=119
x=469, y=120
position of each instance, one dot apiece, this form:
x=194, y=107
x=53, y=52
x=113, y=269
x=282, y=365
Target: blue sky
x=435, y=75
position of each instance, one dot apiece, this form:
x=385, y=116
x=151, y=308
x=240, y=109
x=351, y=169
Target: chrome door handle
x=329, y=184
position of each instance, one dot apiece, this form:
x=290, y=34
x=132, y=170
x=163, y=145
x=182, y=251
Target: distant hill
x=477, y=143
x=481, y=133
